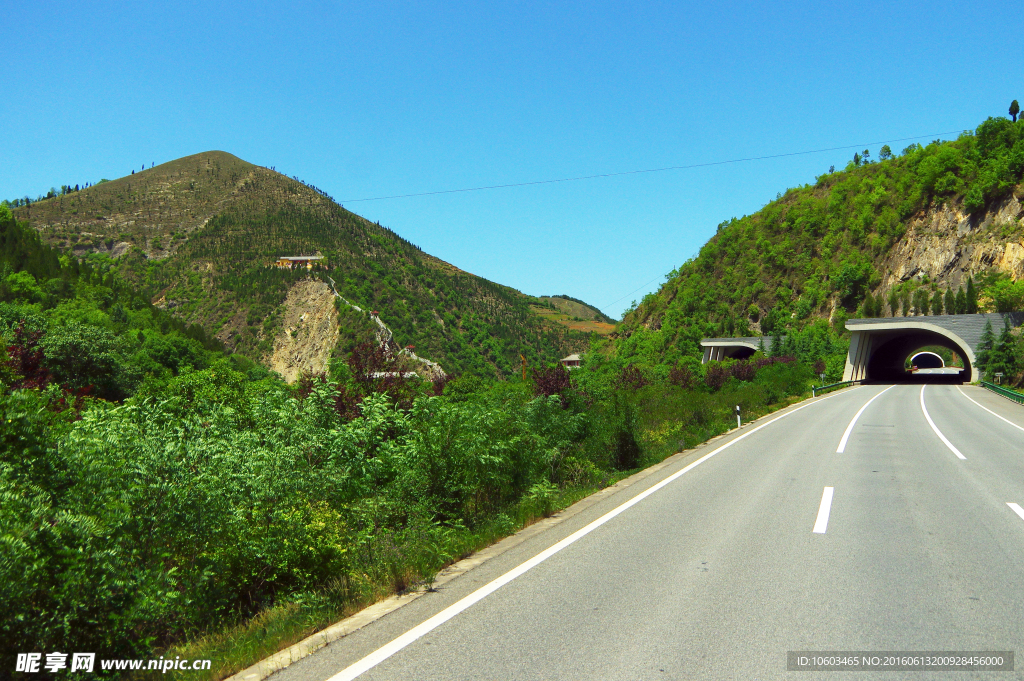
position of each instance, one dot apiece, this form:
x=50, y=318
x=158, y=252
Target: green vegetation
x=212, y=225
x=817, y=251
x=162, y=496
x=574, y=307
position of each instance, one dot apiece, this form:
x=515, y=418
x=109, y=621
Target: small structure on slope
x=290, y=261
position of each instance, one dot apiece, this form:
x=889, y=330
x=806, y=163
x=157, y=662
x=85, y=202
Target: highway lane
x=719, y=573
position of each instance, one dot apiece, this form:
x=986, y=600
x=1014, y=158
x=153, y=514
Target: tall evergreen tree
x=777, y=346
x=949, y=301
x=1004, y=358
x=988, y=339
x=894, y=302
x=961, y=301
x=937, y=303
x=972, y=297
x=1014, y=110
x=921, y=301
x=868, y=307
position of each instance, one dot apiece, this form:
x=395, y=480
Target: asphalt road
x=720, y=572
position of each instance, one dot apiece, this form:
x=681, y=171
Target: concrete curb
x=309, y=645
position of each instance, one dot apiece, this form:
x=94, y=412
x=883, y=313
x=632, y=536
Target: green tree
x=884, y=153
x=867, y=308
x=1004, y=357
x=937, y=303
x=777, y=344
x=905, y=303
x=921, y=301
x=961, y=301
x=894, y=302
x=985, y=347
x=1014, y=110
x=80, y=355
x=972, y=297
x=950, y=301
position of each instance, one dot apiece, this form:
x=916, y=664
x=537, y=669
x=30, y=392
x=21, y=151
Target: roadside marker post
x=738, y=424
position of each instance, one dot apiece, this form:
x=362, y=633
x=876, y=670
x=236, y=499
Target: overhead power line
x=649, y=170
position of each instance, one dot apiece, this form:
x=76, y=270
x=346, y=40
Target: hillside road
x=778, y=542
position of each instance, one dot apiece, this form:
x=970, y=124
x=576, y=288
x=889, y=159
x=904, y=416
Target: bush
x=714, y=376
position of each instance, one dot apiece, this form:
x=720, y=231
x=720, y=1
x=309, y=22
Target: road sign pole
x=738, y=424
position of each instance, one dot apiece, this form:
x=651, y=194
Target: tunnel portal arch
x=879, y=349
x=927, y=360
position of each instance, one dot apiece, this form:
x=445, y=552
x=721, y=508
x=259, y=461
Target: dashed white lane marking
x=990, y=411
x=821, y=523
x=849, y=428
x=389, y=649
x=932, y=424
x=1016, y=509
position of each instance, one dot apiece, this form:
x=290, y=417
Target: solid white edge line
x=932, y=424
x=389, y=649
x=990, y=411
x=824, y=508
x=1016, y=509
x=849, y=428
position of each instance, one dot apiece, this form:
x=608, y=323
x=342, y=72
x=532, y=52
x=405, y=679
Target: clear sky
x=377, y=99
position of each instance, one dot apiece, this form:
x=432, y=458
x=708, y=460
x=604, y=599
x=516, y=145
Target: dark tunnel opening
x=887, y=362
x=741, y=353
x=927, y=360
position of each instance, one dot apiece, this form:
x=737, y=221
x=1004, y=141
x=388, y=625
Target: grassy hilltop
x=197, y=235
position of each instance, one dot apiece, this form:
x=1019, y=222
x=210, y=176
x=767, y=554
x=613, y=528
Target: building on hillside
x=571, y=362
x=290, y=261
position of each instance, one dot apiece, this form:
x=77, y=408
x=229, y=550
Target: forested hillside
x=199, y=234
x=933, y=229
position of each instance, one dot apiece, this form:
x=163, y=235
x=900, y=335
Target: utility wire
x=629, y=294
x=649, y=170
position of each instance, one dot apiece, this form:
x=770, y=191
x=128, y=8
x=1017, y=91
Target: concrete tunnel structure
x=879, y=347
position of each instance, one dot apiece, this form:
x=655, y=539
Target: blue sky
x=377, y=99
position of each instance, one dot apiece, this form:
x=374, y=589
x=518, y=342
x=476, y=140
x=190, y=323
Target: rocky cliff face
x=309, y=333
x=948, y=246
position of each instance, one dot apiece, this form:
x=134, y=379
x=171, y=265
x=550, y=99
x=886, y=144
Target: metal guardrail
x=821, y=388
x=1005, y=392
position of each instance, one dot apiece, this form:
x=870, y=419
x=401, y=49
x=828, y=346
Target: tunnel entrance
x=891, y=350
x=928, y=360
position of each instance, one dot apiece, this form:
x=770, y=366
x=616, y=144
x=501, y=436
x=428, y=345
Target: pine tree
x=868, y=307
x=1003, y=358
x=894, y=302
x=1014, y=110
x=985, y=347
x=937, y=303
x=961, y=301
x=972, y=297
x=950, y=301
x=777, y=348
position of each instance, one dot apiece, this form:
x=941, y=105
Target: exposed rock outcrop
x=309, y=333
x=948, y=246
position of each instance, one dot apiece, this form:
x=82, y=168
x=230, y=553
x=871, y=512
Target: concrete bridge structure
x=879, y=347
